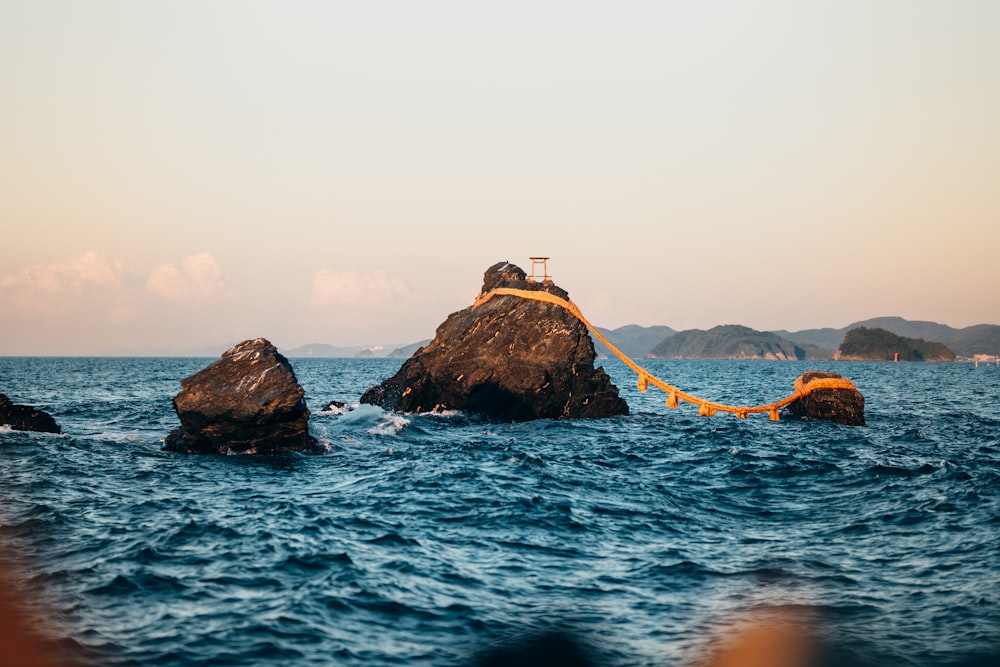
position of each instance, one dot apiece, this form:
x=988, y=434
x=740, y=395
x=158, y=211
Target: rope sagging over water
x=674, y=395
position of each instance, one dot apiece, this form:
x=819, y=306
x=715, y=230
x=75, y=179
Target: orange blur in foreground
x=20, y=644
x=773, y=640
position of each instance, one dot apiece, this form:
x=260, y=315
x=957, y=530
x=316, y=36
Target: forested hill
x=634, y=340
x=729, y=341
x=966, y=342
x=864, y=344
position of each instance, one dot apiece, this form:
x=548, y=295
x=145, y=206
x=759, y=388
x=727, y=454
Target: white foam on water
x=115, y=436
x=7, y=428
x=338, y=411
x=442, y=413
x=390, y=425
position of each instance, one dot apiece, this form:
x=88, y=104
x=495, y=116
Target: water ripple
x=417, y=538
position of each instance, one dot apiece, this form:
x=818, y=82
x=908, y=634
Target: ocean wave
x=391, y=424
x=422, y=536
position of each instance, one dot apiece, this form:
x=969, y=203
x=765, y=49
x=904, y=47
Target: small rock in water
x=510, y=359
x=25, y=417
x=247, y=402
x=843, y=406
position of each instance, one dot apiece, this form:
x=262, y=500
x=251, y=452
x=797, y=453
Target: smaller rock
x=337, y=407
x=25, y=417
x=843, y=406
x=248, y=402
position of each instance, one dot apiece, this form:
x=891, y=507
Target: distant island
x=980, y=339
x=733, y=341
x=740, y=342
x=633, y=340
x=864, y=344
x=407, y=351
x=728, y=341
x=322, y=350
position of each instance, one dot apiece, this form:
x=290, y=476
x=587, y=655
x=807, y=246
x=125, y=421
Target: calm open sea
x=420, y=540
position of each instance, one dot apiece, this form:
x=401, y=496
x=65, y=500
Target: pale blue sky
x=181, y=174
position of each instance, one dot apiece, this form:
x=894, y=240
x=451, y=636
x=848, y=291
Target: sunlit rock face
x=248, y=402
x=510, y=359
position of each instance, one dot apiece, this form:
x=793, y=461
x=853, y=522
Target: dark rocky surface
x=510, y=359
x=247, y=402
x=25, y=417
x=843, y=406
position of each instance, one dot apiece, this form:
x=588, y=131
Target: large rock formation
x=844, y=406
x=248, y=402
x=510, y=359
x=25, y=417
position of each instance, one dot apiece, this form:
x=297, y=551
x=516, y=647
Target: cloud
x=76, y=275
x=337, y=288
x=197, y=279
x=83, y=281
x=92, y=304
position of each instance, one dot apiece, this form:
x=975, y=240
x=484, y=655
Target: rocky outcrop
x=248, y=402
x=843, y=406
x=510, y=359
x=25, y=417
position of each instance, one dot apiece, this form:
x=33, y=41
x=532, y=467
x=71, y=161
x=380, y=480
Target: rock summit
x=248, y=402
x=509, y=359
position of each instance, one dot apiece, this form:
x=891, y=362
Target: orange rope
x=674, y=395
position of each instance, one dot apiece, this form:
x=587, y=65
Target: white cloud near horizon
x=93, y=303
x=60, y=286
x=53, y=308
x=74, y=275
x=338, y=288
x=197, y=278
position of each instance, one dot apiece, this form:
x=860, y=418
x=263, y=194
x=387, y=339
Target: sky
x=185, y=174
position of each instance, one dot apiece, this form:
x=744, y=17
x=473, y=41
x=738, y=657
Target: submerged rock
x=337, y=408
x=840, y=405
x=247, y=402
x=25, y=417
x=510, y=359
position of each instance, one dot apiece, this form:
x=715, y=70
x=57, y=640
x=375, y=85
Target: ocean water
x=424, y=540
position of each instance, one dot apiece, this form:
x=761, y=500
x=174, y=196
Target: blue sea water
x=422, y=540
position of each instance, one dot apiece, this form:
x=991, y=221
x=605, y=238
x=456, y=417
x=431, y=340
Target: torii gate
x=535, y=263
